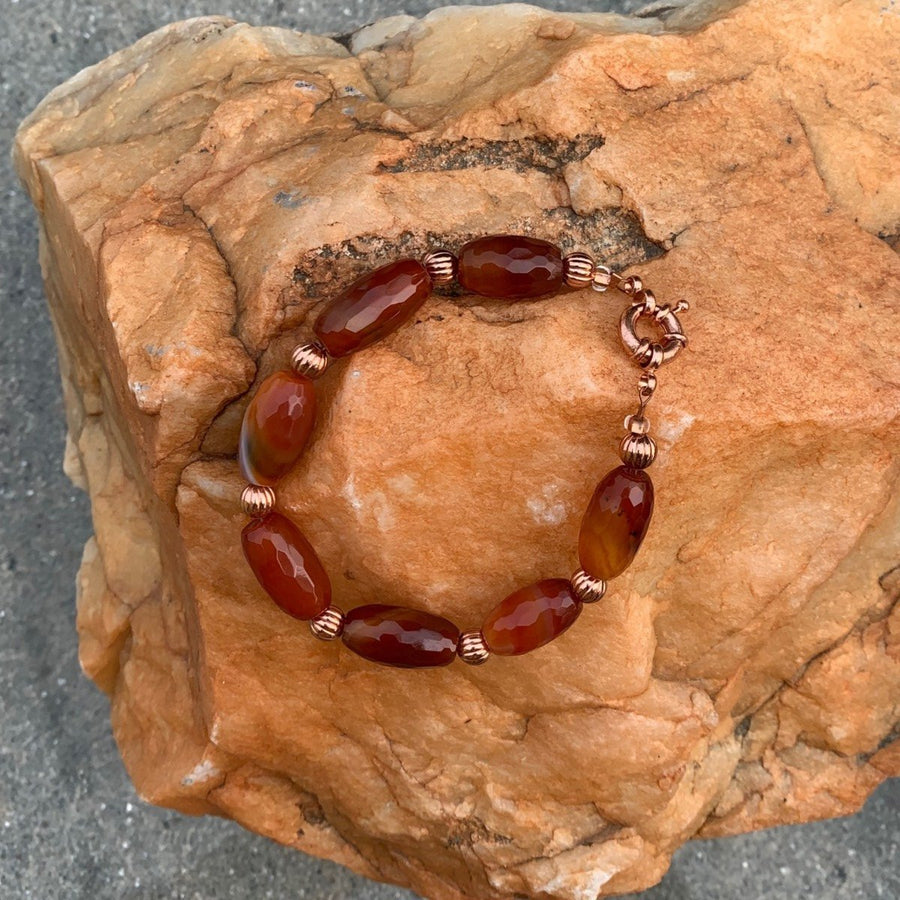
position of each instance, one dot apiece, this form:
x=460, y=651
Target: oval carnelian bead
x=531, y=617
x=510, y=265
x=276, y=427
x=615, y=523
x=398, y=636
x=373, y=306
x=286, y=565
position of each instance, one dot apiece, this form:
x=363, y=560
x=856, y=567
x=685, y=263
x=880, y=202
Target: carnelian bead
x=373, y=306
x=531, y=617
x=615, y=522
x=398, y=636
x=276, y=427
x=286, y=565
x=510, y=265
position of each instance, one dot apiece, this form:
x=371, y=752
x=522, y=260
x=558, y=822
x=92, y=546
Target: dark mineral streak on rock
x=519, y=154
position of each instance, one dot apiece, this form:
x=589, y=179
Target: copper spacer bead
x=441, y=266
x=472, y=648
x=637, y=450
x=601, y=279
x=587, y=588
x=578, y=270
x=328, y=624
x=310, y=359
x=637, y=424
x=258, y=500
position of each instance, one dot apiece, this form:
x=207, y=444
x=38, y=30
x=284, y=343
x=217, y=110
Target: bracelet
x=280, y=417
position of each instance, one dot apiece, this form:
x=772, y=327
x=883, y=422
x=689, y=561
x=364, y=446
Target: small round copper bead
x=578, y=270
x=258, y=500
x=637, y=424
x=637, y=450
x=472, y=648
x=601, y=279
x=310, y=359
x=328, y=624
x=441, y=266
x=587, y=588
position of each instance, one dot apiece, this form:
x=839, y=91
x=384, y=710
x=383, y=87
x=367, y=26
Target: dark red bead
x=616, y=520
x=397, y=636
x=373, y=306
x=531, y=617
x=286, y=565
x=276, y=427
x=510, y=265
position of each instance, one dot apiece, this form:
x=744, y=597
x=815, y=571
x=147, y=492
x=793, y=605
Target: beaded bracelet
x=279, y=419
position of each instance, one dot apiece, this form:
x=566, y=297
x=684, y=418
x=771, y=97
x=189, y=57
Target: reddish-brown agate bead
x=531, y=617
x=286, y=565
x=276, y=427
x=510, y=265
x=615, y=522
x=373, y=306
x=398, y=636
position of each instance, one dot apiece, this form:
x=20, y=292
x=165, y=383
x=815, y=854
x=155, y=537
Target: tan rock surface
x=204, y=191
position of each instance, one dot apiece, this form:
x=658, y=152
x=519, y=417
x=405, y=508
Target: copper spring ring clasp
x=646, y=353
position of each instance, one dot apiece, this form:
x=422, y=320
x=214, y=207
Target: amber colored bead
x=398, y=636
x=373, y=306
x=510, y=265
x=615, y=523
x=531, y=617
x=276, y=427
x=286, y=565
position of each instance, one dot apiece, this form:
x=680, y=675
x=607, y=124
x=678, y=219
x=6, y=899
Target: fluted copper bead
x=276, y=427
x=531, y=617
x=510, y=265
x=286, y=566
x=373, y=306
x=328, y=624
x=257, y=500
x=615, y=523
x=401, y=637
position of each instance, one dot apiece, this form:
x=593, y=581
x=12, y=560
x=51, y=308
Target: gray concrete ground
x=71, y=826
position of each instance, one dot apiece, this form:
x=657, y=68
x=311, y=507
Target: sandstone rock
x=204, y=191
